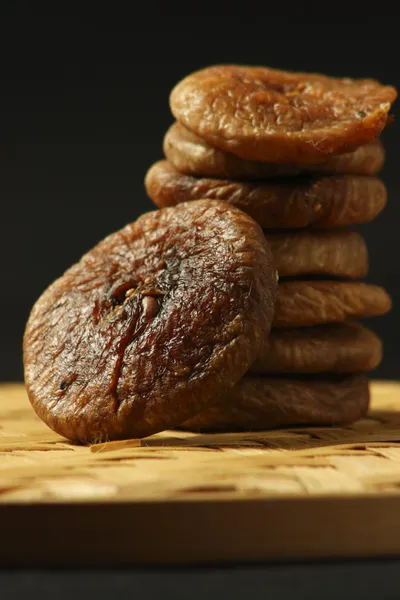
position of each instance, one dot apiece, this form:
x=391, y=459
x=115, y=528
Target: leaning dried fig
x=152, y=324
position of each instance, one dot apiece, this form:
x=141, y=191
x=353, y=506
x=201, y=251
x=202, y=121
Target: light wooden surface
x=180, y=497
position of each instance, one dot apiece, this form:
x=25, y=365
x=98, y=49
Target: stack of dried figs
x=299, y=153
x=167, y=322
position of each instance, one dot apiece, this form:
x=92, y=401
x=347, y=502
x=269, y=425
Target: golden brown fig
x=191, y=155
x=314, y=201
x=258, y=403
x=152, y=324
x=276, y=116
x=303, y=303
x=338, y=253
x=344, y=348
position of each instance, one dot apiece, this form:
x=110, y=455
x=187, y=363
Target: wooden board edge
x=152, y=533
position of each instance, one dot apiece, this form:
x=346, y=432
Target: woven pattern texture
x=37, y=465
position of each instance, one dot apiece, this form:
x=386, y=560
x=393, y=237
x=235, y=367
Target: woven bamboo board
x=183, y=497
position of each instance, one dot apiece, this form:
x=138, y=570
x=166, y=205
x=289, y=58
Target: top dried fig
x=275, y=116
x=152, y=324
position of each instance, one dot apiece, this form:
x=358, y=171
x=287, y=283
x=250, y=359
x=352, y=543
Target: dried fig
x=275, y=116
x=339, y=253
x=152, y=324
x=318, y=201
x=258, y=403
x=191, y=155
x=344, y=348
x=302, y=303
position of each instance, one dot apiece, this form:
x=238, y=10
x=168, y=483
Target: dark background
x=84, y=106
x=83, y=109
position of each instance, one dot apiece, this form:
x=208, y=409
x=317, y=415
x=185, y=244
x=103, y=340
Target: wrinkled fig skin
x=338, y=253
x=303, y=303
x=268, y=115
x=259, y=403
x=345, y=348
x=191, y=155
x=151, y=325
x=313, y=201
